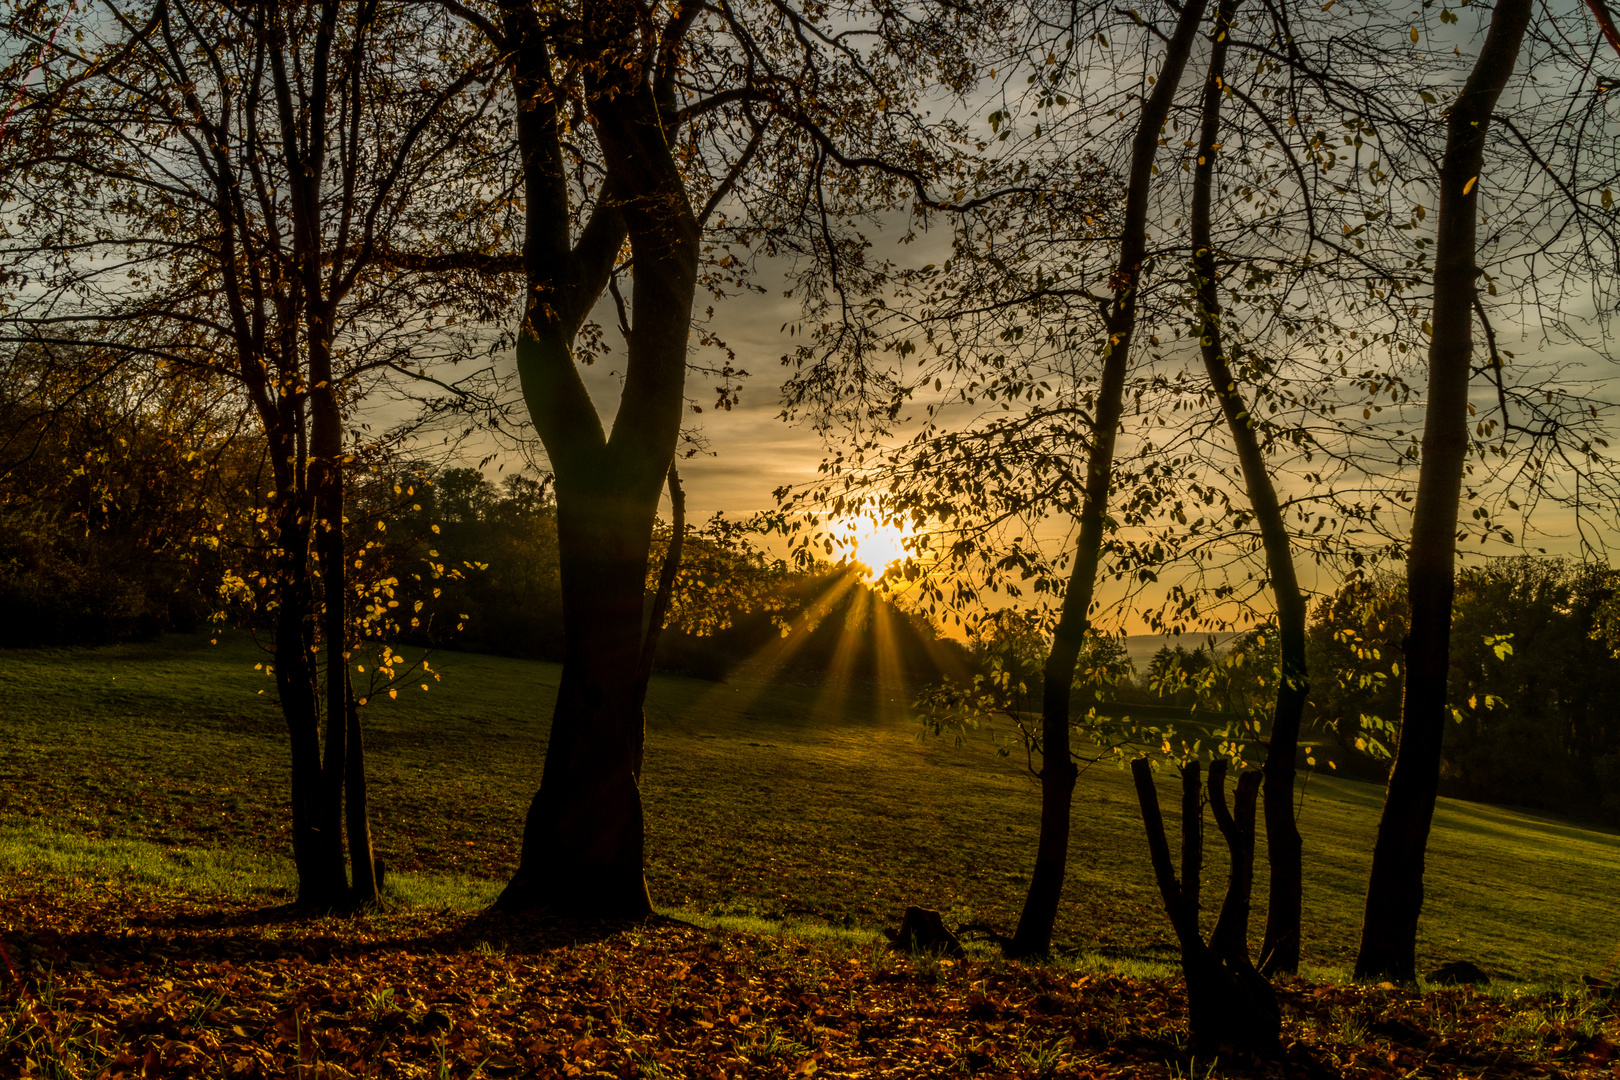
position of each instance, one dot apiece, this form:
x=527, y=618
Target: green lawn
x=763, y=798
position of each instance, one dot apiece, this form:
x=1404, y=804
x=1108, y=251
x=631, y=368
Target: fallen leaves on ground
x=119, y=983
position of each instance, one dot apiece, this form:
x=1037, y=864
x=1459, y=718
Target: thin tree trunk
x=326, y=483
x=362, y=856
x=666, y=585
x=1395, y=886
x=1058, y=772
x=1280, y=949
x=1192, y=833
x=297, y=690
x=660, y=605
x=1231, y=1008
x=1229, y=941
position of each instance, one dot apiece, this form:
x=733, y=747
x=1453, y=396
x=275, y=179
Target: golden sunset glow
x=875, y=544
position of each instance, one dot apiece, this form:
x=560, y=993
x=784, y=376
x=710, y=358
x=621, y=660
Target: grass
x=766, y=802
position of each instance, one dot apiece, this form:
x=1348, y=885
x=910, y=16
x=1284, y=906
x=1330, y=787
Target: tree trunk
x=1395, y=886
x=296, y=688
x=1192, y=833
x=1280, y=950
x=1058, y=772
x=666, y=586
x=583, y=838
x=1231, y=1008
x=362, y=856
x=1229, y=941
x=338, y=772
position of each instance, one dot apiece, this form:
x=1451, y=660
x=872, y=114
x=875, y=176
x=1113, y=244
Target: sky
x=752, y=451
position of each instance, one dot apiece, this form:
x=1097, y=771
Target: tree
x=1230, y=1006
x=1395, y=887
x=214, y=191
x=1280, y=951
x=118, y=501
x=634, y=126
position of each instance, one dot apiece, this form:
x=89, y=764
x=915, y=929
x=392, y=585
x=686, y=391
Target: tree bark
x=1192, y=833
x=583, y=838
x=1058, y=772
x=1231, y=1008
x=1395, y=886
x=1284, y=848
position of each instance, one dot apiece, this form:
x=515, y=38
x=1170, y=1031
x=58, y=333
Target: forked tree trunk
x=583, y=838
x=1231, y=1008
x=1058, y=772
x=1395, y=886
x=1280, y=950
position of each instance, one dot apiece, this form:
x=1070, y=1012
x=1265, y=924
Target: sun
x=875, y=544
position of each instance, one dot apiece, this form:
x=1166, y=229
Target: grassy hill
x=765, y=799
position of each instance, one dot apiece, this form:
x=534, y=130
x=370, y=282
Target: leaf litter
x=119, y=982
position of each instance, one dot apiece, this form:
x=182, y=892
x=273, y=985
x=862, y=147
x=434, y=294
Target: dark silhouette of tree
x=209, y=191
x=1395, y=888
x=635, y=128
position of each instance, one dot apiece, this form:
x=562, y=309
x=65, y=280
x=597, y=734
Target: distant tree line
x=1534, y=685
x=118, y=528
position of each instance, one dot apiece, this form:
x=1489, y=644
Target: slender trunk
x=362, y=857
x=1395, y=885
x=660, y=605
x=297, y=690
x=1231, y=1008
x=1192, y=833
x=1229, y=941
x=1058, y=772
x=666, y=584
x=1280, y=950
x=326, y=484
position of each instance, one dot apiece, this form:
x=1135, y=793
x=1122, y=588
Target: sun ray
x=762, y=667
x=833, y=699
x=891, y=679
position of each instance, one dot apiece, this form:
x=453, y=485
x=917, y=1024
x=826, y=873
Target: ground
x=125, y=983
x=143, y=865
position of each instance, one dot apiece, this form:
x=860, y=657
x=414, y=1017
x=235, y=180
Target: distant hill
x=1141, y=647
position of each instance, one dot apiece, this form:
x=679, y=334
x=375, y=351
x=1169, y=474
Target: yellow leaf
x=1414, y=35
x=1470, y=185
x=393, y=693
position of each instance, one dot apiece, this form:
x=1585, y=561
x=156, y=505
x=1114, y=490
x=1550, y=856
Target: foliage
x=1530, y=687
x=120, y=500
